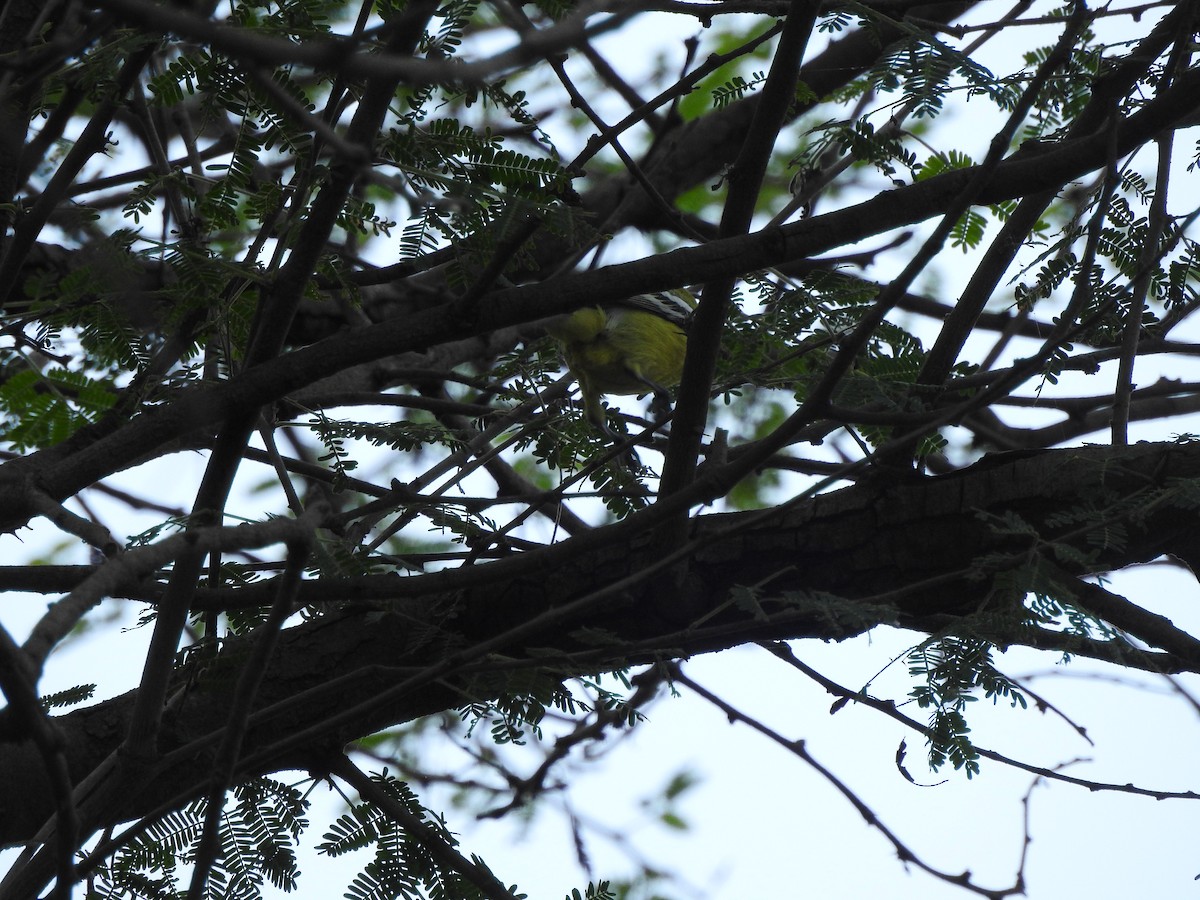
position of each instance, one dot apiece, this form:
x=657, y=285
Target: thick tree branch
x=906, y=554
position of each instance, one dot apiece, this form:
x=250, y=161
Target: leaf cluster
x=402, y=865
x=258, y=835
x=953, y=671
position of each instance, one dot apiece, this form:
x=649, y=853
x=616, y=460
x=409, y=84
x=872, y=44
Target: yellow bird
x=633, y=346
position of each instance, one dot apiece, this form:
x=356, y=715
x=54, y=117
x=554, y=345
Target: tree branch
x=906, y=554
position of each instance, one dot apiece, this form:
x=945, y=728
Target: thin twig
x=91, y=533
x=265, y=639
x=745, y=180
x=785, y=653
x=797, y=747
x=1151, y=254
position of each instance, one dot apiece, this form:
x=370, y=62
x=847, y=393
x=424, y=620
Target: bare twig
x=798, y=748
x=92, y=533
x=1151, y=254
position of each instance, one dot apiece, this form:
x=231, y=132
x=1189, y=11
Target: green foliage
x=940, y=163
x=967, y=233
x=69, y=697
x=518, y=702
x=257, y=838
x=491, y=186
x=834, y=21
x=1055, y=612
x=41, y=409
x=953, y=670
x=565, y=442
x=263, y=134
x=154, y=532
x=736, y=88
x=147, y=865
x=721, y=84
x=83, y=305
x=401, y=437
x=1063, y=96
x=517, y=710
x=665, y=807
x=785, y=343
x=402, y=866
x=596, y=891
x=1032, y=584
x=423, y=232
x=921, y=69
x=294, y=18
x=1037, y=565
x=861, y=140
x=456, y=14
x=1049, y=278
x=263, y=828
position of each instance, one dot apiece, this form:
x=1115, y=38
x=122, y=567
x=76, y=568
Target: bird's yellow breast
x=621, y=351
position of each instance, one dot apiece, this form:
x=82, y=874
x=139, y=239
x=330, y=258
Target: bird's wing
x=669, y=305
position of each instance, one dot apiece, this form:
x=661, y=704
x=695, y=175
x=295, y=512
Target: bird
x=631, y=346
